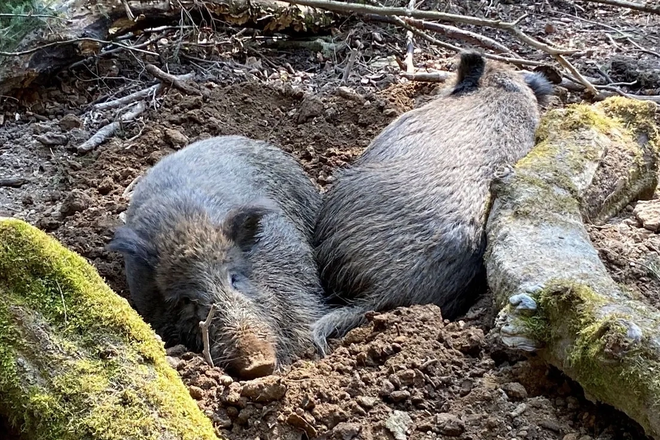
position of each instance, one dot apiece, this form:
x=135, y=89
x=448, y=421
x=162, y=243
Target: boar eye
x=186, y=300
x=233, y=280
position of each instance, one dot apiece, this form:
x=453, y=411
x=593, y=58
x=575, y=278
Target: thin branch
x=341, y=7
x=108, y=130
x=641, y=49
x=75, y=40
x=410, y=47
x=644, y=7
x=4, y=14
x=204, y=326
x=517, y=61
x=571, y=68
x=433, y=77
x=173, y=81
x=349, y=65
x=459, y=34
x=13, y=182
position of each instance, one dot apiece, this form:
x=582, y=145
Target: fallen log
x=555, y=294
x=93, y=24
x=76, y=362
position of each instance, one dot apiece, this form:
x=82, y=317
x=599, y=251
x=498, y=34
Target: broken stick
x=204, y=326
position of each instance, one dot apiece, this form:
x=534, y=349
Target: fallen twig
x=13, y=182
x=128, y=98
x=75, y=40
x=349, y=65
x=617, y=91
x=204, y=326
x=642, y=49
x=173, y=80
x=459, y=34
x=434, y=77
x=644, y=7
x=566, y=64
x=6, y=14
x=410, y=47
x=108, y=130
x=511, y=27
x=141, y=94
x=574, y=85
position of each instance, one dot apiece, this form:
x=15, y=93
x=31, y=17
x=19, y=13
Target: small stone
x=549, y=28
x=265, y=389
x=386, y=388
x=521, y=408
x=400, y=396
x=648, y=214
x=196, y=392
x=105, y=186
x=367, y=402
x=551, y=425
x=298, y=421
x=246, y=414
x=70, y=122
x=390, y=112
x=471, y=343
x=52, y=139
x=406, y=377
x=221, y=419
x=173, y=362
x=74, y=202
x=466, y=387
x=311, y=107
x=449, y=424
x=515, y=391
x=225, y=380
x=346, y=431
x=571, y=436
x=175, y=138
x=398, y=424
x=232, y=394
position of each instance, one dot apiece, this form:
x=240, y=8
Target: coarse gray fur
x=225, y=221
x=405, y=223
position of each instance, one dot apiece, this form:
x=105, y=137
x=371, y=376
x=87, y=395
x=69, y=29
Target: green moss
x=76, y=361
x=601, y=357
x=637, y=116
x=572, y=118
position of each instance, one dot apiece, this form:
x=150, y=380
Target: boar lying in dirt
x=405, y=223
x=227, y=222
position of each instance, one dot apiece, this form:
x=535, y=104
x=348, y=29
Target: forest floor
x=408, y=373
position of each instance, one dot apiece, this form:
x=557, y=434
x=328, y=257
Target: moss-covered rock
x=76, y=362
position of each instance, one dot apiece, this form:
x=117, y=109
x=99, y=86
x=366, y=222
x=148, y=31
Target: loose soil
x=405, y=374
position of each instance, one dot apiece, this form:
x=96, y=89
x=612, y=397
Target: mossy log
x=76, y=362
x=105, y=20
x=556, y=295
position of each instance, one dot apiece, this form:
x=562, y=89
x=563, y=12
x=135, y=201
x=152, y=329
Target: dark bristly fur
x=226, y=221
x=405, y=223
x=470, y=70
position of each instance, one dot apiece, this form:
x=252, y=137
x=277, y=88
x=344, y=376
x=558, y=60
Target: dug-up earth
x=407, y=374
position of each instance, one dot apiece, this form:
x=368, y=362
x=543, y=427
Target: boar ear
x=243, y=224
x=471, y=68
x=540, y=86
x=129, y=243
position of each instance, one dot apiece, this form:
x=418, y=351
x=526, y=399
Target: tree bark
x=76, y=362
x=556, y=295
x=94, y=25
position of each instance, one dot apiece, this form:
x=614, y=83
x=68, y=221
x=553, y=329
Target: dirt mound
x=406, y=374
